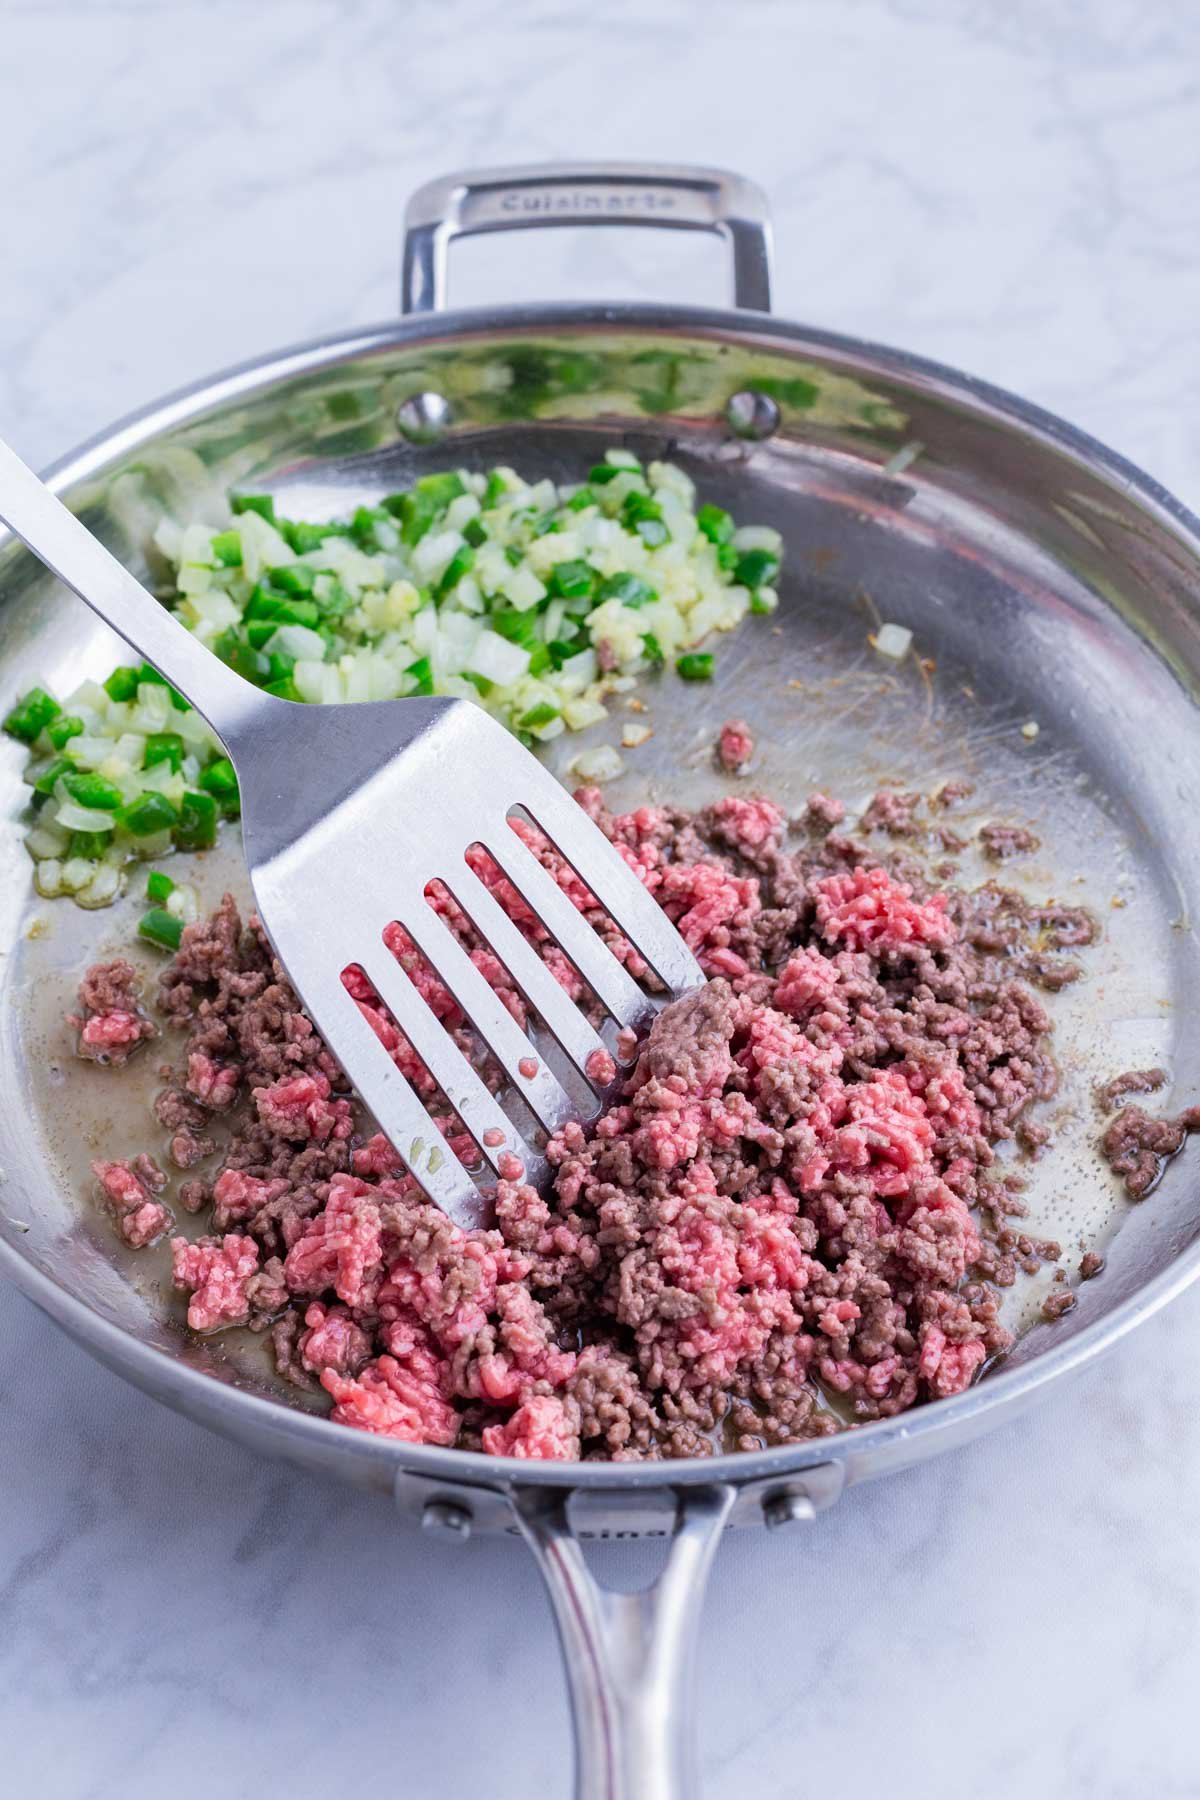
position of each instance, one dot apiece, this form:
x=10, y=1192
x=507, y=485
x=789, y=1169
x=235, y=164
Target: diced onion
x=894, y=641
x=600, y=764
x=298, y=641
x=497, y=660
x=83, y=818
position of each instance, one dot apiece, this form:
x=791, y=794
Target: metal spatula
x=348, y=813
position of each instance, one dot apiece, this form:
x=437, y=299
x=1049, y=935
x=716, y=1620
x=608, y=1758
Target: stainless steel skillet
x=1047, y=581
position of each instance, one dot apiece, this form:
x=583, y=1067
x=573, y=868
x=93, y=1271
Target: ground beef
x=735, y=745
x=111, y=1021
x=823, y=812
x=1002, y=841
x=894, y=812
x=791, y=1219
x=1133, y=1081
x=127, y=1191
x=1137, y=1146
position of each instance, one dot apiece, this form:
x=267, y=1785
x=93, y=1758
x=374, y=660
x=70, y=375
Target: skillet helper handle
x=630, y=1657
x=539, y=195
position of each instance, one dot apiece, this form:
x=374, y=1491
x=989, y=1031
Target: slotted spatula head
x=349, y=813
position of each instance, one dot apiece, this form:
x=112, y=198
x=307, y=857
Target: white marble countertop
x=1012, y=187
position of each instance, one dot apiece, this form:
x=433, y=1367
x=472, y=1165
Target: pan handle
x=535, y=195
x=629, y=1657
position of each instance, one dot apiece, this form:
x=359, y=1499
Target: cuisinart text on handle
x=585, y=200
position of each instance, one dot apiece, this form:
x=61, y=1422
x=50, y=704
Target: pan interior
x=1039, y=589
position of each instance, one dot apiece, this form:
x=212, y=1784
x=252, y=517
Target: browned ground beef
x=1133, y=1081
x=793, y=1219
x=1137, y=1145
x=1002, y=841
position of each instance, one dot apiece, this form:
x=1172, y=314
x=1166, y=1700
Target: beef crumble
x=1137, y=1146
x=111, y=1020
x=735, y=745
x=999, y=842
x=1133, y=1081
x=792, y=1218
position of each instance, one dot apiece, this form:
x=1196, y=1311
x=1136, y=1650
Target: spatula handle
x=66, y=546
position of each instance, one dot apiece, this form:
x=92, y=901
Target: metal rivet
x=752, y=415
x=424, y=418
x=447, y=1519
x=788, y=1508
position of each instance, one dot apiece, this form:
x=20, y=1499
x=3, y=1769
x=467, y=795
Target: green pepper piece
x=755, y=567
x=91, y=845
x=561, y=652
x=247, y=662
x=362, y=528
x=31, y=715
x=219, y=778
x=262, y=504
x=150, y=812
x=227, y=548
x=301, y=536
x=460, y=564
x=61, y=731
x=441, y=489
x=299, y=612
x=637, y=505
x=159, y=887
x=695, y=665
x=90, y=789
x=196, y=827
x=581, y=499
x=602, y=473
x=495, y=490
x=716, y=524
x=651, y=649
x=262, y=604
x=163, y=746
x=122, y=684
x=537, y=716
x=475, y=532
x=570, y=580
x=422, y=674
x=629, y=589
x=518, y=627
x=293, y=578
x=158, y=926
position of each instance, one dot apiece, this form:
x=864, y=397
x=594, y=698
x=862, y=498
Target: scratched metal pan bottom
x=1043, y=579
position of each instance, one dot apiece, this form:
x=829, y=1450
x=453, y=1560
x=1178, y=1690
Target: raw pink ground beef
x=791, y=1219
x=735, y=745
